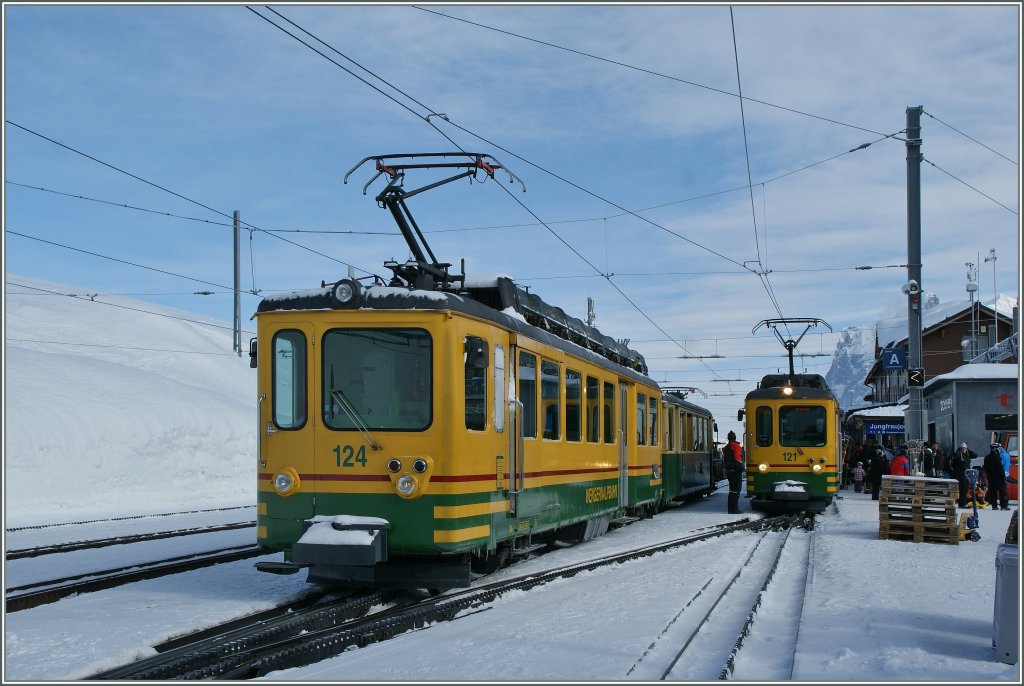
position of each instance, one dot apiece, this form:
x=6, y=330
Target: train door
x=524, y=441
x=623, y=445
x=287, y=412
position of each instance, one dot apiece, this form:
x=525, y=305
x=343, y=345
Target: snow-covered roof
x=889, y=331
x=484, y=280
x=977, y=372
x=880, y=411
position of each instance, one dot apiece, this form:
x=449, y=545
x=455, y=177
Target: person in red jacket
x=732, y=455
x=900, y=465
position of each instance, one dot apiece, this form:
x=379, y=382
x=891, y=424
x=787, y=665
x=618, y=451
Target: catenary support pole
x=915, y=414
x=237, y=344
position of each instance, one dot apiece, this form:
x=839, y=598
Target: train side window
x=652, y=418
x=549, y=398
x=475, y=363
x=288, y=370
x=641, y=419
x=670, y=428
x=763, y=426
x=528, y=393
x=573, y=397
x=609, y=413
x=593, y=410
x=500, y=399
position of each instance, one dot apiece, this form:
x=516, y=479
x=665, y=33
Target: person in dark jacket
x=940, y=461
x=733, y=457
x=928, y=462
x=959, y=463
x=993, y=467
x=876, y=468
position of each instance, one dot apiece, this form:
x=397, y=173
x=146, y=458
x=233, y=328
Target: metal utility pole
x=915, y=414
x=237, y=344
x=992, y=258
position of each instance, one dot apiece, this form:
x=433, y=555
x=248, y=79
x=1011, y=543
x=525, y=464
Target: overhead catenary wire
x=430, y=123
x=183, y=197
x=646, y=71
x=746, y=148
x=867, y=267
x=970, y=138
x=116, y=259
x=124, y=307
x=969, y=186
x=703, y=196
x=119, y=347
x=432, y=113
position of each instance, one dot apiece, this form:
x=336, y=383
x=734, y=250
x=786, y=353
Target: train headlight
x=394, y=466
x=763, y=468
x=787, y=390
x=345, y=293
x=406, y=485
x=286, y=481
x=816, y=468
x=419, y=465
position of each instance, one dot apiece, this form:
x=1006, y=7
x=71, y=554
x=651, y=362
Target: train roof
x=794, y=381
x=673, y=398
x=497, y=300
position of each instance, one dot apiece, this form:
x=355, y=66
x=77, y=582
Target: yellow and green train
x=410, y=436
x=792, y=444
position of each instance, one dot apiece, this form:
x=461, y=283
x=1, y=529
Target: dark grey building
x=967, y=404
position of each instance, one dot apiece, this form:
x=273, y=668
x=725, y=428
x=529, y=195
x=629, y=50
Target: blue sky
x=216, y=104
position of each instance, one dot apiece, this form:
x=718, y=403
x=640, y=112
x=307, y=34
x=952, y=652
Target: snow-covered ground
x=163, y=423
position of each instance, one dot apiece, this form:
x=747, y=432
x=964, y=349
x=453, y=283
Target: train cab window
x=289, y=379
x=609, y=413
x=476, y=360
x=549, y=397
x=528, y=393
x=763, y=426
x=641, y=421
x=802, y=426
x=377, y=379
x=573, y=397
x=593, y=410
x=500, y=399
x=652, y=419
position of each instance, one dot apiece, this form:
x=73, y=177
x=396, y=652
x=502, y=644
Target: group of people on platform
x=865, y=466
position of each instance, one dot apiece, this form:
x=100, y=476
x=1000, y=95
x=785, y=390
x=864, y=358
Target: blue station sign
x=894, y=358
x=886, y=428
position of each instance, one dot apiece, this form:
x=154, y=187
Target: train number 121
x=346, y=455
x=789, y=457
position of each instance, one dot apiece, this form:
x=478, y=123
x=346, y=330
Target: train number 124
x=346, y=455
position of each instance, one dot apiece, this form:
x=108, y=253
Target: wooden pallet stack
x=918, y=509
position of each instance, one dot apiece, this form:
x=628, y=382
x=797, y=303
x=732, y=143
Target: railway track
x=321, y=631
x=121, y=540
x=687, y=649
x=42, y=592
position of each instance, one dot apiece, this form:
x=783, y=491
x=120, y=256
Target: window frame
x=303, y=396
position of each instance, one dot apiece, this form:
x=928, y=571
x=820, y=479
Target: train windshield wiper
x=345, y=405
